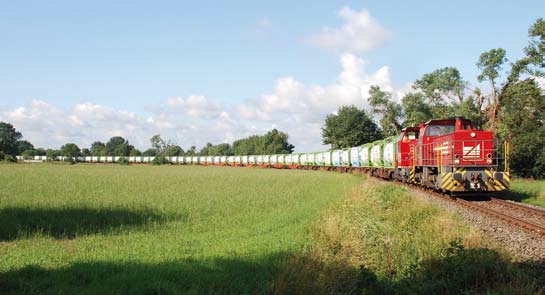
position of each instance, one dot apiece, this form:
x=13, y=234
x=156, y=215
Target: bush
x=159, y=160
x=9, y=159
x=123, y=161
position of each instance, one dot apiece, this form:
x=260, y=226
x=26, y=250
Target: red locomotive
x=450, y=155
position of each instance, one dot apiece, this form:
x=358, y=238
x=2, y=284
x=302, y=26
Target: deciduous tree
x=349, y=127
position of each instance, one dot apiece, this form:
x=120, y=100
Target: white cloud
x=359, y=33
x=300, y=110
x=196, y=106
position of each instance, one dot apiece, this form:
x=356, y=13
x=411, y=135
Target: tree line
x=512, y=106
x=12, y=144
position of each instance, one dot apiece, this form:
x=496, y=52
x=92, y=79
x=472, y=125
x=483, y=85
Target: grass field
x=108, y=229
x=96, y=229
x=528, y=191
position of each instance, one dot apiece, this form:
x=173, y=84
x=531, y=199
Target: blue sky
x=146, y=59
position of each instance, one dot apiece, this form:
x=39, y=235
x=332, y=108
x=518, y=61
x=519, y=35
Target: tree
x=52, y=154
x=173, y=151
x=9, y=138
x=98, y=149
x=70, y=150
x=391, y=113
x=28, y=154
x=23, y=145
x=40, y=152
x=222, y=149
x=118, y=146
x=135, y=153
x=85, y=152
x=158, y=143
x=192, y=151
x=442, y=88
x=150, y=153
x=491, y=63
x=205, y=151
x=535, y=51
x=276, y=142
x=349, y=127
x=524, y=125
x=415, y=109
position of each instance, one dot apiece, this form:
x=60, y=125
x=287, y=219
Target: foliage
x=415, y=109
x=123, y=161
x=118, y=146
x=222, y=149
x=173, y=151
x=158, y=143
x=391, y=113
x=523, y=125
x=70, y=150
x=349, y=127
x=273, y=142
x=135, y=153
x=98, y=149
x=159, y=160
x=85, y=152
x=149, y=153
x=28, y=154
x=205, y=151
x=7, y=158
x=9, y=138
x=23, y=145
x=199, y=230
x=52, y=154
x=441, y=88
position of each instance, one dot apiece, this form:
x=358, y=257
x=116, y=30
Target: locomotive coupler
x=475, y=180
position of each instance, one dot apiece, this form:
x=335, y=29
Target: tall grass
x=95, y=229
x=383, y=241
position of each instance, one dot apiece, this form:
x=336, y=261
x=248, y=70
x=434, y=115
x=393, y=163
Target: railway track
x=525, y=217
x=507, y=214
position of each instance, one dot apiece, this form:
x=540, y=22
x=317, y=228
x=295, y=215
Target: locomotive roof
x=446, y=120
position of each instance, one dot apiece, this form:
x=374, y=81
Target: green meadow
x=109, y=229
x=102, y=229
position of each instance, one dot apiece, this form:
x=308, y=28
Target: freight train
x=447, y=155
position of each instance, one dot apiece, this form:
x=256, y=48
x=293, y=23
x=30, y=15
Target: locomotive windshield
x=438, y=130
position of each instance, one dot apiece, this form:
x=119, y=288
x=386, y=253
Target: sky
x=211, y=71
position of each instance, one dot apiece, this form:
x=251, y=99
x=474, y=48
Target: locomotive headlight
x=456, y=159
x=489, y=158
x=473, y=134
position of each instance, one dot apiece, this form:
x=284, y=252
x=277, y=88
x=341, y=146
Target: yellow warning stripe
x=447, y=181
x=499, y=185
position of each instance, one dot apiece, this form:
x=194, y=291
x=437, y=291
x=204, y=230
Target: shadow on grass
x=216, y=276
x=471, y=271
x=67, y=223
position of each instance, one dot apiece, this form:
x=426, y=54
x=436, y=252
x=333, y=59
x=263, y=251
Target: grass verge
x=383, y=241
x=527, y=191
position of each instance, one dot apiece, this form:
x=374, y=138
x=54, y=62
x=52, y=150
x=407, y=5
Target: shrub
x=159, y=160
x=9, y=159
x=123, y=161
